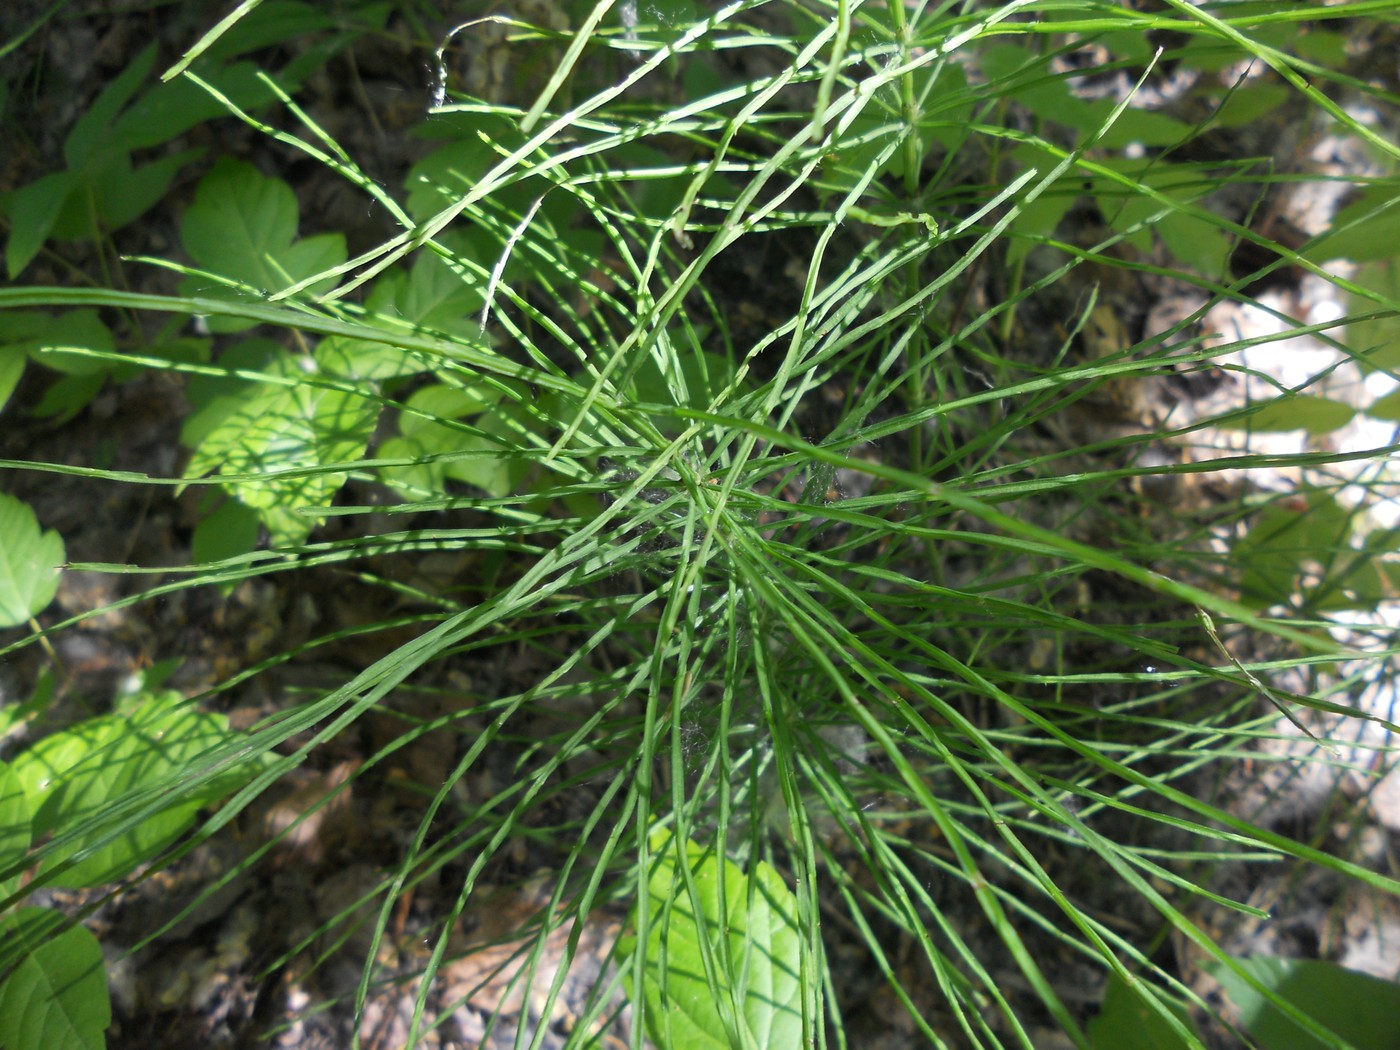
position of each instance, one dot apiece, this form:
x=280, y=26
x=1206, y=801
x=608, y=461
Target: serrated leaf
x=214, y=397
x=31, y=561
x=431, y=295
x=477, y=459
x=368, y=360
x=442, y=402
x=56, y=998
x=76, y=775
x=758, y=931
x=239, y=220
x=243, y=226
x=277, y=427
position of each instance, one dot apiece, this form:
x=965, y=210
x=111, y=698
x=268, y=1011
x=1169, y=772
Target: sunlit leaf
x=31, y=561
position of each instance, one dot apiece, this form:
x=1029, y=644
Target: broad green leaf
x=1353, y=581
x=368, y=360
x=417, y=479
x=1284, y=541
x=442, y=402
x=275, y=427
x=1127, y=1020
x=1366, y=230
x=1323, y=46
x=1355, y=1006
x=1316, y=415
x=56, y=997
x=478, y=459
x=1376, y=339
x=31, y=562
x=882, y=124
x=214, y=398
x=16, y=819
x=104, y=191
x=93, y=130
x=1196, y=242
x=42, y=765
x=172, y=108
x=1050, y=96
x=67, y=396
x=243, y=226
x=1134, y=126
x=11, y=368
x=273, y=22
x=75, y=330
x=1250, y=102
x=654, y=187
x=1387, y=407
x=239, y=221
x=1128, y=43
x=494, y=460
x=58, y=342
x=14, y=715
x=33, y=210
x=593, y=428
x=758, y=931
x=432, y=294
x=441, y=177
x=100, y=188
x=1003, y=63
x=482, y=464
x=1040, y=217
x=80, y=772
x=126, y=192
x=692, y=380
x=229, y=531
